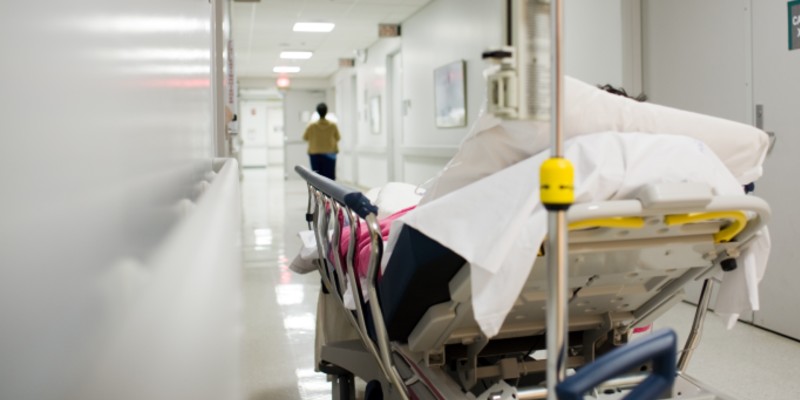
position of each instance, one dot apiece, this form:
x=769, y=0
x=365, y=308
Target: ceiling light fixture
x=286, y=69
x=296, y=55
x=313, y=27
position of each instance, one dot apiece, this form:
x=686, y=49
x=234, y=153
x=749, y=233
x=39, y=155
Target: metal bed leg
x=344, y=387
x=697, y=326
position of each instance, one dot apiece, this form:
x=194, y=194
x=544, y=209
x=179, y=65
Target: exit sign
x=794, y=25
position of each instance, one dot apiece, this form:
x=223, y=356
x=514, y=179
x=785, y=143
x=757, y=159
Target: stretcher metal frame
x=418, y=368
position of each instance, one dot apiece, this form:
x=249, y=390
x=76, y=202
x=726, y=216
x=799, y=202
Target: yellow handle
x=556, y=180
x=738, y=222
x=615, y=222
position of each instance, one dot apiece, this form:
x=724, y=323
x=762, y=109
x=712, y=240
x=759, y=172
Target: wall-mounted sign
x=794, y=25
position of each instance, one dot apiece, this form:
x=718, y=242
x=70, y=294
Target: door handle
x=760, y=125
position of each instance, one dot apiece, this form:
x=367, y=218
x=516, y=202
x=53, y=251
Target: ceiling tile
x=261, y=30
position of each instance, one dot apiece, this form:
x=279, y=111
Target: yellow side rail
x=738, y=222
x=613, y=222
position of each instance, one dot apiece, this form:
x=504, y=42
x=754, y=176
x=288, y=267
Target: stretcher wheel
x=373, y=391
x=729, y=265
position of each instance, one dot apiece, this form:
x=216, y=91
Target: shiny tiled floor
x=745, y=362
x=280, y=306
x=278, y=347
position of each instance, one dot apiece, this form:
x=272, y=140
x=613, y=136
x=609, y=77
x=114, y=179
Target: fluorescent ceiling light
x=296, y=55
x=286, y=69
x=313, y=27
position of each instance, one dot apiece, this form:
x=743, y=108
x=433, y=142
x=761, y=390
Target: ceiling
x=261, y=30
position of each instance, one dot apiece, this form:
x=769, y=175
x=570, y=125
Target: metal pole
x=557, y=324
x=557, y=77
x=557, y=298
x=697, y=325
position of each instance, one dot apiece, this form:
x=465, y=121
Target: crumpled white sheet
x=304, y=263
x=493, y=144
x=738, y=293
x=497, y=222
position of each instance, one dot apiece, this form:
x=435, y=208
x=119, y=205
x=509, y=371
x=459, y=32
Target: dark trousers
x=324, y=164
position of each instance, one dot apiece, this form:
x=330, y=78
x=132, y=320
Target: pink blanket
x=362, y=250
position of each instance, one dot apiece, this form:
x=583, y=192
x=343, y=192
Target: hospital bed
x=630, y=261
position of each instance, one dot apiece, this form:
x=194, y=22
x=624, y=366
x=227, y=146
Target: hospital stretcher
x=629, y=262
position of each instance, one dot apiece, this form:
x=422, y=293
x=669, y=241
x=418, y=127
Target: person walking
x=323, y=139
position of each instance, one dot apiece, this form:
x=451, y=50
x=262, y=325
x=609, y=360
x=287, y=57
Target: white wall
x=250, y=83
x=599, y=49
x=363, y=156
x=705, y=65
x=443, y=32
x=593, y=31
x=107, y=128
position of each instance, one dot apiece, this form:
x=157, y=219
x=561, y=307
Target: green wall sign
x=794, y=25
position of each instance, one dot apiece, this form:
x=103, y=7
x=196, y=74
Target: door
x=775, y=70
x=395, y=113
x=275, y=135
x=696, y=55
x=253, y=128
x=298, y=107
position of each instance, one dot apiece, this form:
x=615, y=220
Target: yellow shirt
x=322, y=137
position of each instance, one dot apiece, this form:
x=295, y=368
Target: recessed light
x=286, y=69
x=296, y=55
x=313, y=27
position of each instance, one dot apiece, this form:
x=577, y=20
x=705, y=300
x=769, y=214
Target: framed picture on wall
x=450, y=95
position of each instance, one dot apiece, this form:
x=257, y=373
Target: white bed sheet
x=497, y=222
x=494, y=144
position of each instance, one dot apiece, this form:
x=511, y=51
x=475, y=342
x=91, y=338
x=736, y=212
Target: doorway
x=254, y=122
x=260, y=127
x=394, y=109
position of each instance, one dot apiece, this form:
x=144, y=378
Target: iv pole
x=518, y=91
x=557, y=194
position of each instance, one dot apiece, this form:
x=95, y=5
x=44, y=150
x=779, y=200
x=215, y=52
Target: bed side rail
x=349, y=197
x=327, y=199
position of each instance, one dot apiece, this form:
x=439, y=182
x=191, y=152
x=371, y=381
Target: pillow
x=741, y=147
x=495, y=144
x=396, y=196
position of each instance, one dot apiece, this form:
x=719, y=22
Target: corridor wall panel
x=106, y=144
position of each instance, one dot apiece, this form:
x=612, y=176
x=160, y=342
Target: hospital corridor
x=399, y=200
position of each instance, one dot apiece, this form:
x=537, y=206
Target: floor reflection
x=280, y=306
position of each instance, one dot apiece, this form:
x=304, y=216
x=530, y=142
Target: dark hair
x=622, y=92
x=322, y=110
